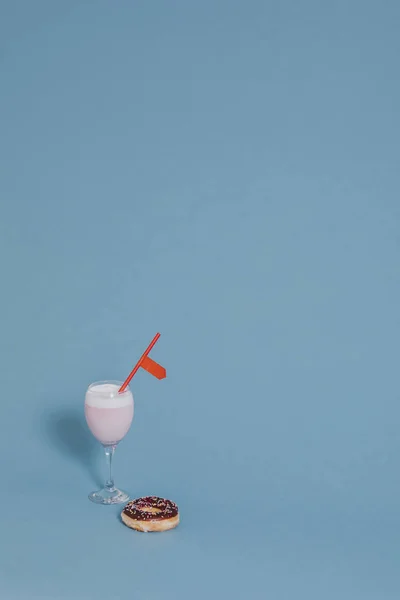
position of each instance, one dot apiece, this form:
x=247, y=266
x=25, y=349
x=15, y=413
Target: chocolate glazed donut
x=150, y=514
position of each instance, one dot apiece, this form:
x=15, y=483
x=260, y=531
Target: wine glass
x=109, y=416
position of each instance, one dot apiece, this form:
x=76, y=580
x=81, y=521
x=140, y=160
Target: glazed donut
x=150, y=514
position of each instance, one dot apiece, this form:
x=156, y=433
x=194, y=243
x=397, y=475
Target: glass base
x=106, y=496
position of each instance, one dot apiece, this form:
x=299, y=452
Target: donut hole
x=152, y=509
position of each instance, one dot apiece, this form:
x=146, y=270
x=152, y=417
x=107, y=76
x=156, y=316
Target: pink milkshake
x=108, y=414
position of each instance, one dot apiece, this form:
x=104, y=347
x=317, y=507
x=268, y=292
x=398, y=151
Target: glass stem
x=109, y=451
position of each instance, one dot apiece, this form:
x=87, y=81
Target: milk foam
x=105, y=395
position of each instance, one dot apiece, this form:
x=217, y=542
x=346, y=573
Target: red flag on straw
x=146, y=363
x=153, y=368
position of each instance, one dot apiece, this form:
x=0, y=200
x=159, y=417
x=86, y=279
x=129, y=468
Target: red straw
x=137, y=366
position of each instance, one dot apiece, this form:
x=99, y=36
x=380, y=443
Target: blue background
x=226, y=173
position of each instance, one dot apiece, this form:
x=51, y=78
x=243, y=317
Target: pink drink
x=108, y=414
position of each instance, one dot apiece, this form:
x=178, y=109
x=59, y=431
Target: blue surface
x=226, y=173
